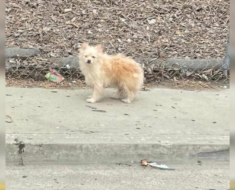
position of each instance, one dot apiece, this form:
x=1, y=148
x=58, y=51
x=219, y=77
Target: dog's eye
x=85, y=55
x=93, y=57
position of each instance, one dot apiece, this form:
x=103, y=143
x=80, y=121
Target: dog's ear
x=99, y=48
x=84, y=45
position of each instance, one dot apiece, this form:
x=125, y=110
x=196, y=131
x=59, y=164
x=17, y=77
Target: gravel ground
x=71, y=84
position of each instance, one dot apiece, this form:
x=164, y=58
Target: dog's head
x=90, y=54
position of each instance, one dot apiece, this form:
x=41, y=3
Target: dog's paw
x=126, y=101
x=116, y=97
x=91, y=100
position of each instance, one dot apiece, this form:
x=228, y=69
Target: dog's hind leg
x=130, y=95
x=120, y=94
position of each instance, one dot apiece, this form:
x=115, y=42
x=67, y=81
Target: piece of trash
x=54, y=76
x=161, y=166
x=9, y=119
x=68, y=66
x=21, y=146
x=145, y=162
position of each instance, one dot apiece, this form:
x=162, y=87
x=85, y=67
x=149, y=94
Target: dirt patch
x=74, y=84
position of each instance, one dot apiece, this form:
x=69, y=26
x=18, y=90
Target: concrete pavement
x=165, y=124
x=207, y=176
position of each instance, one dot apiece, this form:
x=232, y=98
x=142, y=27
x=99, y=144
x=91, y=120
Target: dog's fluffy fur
x=102, y=70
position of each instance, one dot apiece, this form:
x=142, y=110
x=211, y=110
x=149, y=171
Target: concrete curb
x=154, y=69
x=73, y=61
x=197, y=64
x=113, y=153
x=21, y=52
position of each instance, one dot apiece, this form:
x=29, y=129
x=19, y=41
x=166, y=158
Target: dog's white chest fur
x=94, y=74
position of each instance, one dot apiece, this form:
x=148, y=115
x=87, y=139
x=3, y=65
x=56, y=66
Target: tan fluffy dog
x=102, y=70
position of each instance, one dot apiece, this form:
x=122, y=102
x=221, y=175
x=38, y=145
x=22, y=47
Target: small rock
x=122, y=19
x=67, y=10
x=152, y=21
x=94, y=11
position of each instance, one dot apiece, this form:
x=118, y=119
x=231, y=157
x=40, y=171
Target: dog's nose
x=88, y=61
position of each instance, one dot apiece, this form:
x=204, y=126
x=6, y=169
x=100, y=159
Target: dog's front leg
x=97, y=93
